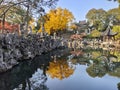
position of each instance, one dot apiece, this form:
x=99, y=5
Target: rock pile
x=14, y=48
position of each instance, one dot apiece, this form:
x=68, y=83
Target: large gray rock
x=14, y=48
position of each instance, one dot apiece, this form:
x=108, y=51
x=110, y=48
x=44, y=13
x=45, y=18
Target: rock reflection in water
x=38, y=80
x=19, y=77
x=60, y=64
x=24, y=76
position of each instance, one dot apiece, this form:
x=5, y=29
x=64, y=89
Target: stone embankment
x=109, y=45
x=15, y=48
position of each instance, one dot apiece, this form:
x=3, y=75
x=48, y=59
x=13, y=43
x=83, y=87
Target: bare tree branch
x=1, y=1
x=10, y=6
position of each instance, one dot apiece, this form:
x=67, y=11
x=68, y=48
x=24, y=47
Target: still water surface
x=84, y=69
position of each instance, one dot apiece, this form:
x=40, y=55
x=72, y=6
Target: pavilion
x=108, y=34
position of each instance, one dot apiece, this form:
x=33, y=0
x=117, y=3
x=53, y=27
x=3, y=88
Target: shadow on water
x=60, y=64
x=21, y=73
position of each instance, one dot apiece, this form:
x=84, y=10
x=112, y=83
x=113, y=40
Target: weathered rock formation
x=14, y=48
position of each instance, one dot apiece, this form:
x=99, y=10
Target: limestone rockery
x=14, y=48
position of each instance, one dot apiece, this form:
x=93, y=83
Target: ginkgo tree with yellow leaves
x=57, y=20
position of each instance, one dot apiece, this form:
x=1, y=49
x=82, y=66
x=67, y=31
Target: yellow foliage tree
x=73, y=27
x=60, y=69
x=58, y=20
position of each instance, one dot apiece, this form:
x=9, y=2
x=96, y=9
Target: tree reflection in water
x=33, y=74
x=60, y=69
x=20, y=77
x=118, y=86
x=106, y=63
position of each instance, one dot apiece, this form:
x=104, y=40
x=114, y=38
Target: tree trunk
x=27, y=17
x=3, y=24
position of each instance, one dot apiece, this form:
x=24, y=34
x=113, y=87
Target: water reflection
x=38, y=81
x=99, y=62
x=60, y=69
x=20, y=76
x=118, y=86
x=61, y=65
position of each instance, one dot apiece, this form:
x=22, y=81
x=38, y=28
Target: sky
x=79, y=8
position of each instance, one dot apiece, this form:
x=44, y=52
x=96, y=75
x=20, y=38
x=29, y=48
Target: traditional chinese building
x=82, y=26
x=108, y=34
x=8, y=27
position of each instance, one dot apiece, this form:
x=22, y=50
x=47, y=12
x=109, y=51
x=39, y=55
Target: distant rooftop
x=108, y=32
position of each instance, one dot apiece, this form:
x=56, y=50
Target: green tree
x=96, y=17
x=117, y=29
x=95, y=33
x=116, y=1
x=115, y=13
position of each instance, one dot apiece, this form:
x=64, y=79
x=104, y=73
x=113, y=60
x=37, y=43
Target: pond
x=81, y=69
